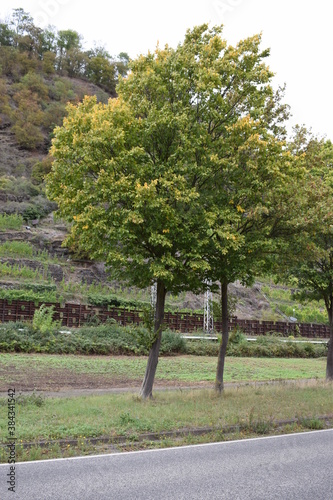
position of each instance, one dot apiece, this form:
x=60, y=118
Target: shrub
x=43, y=320
x=33, y=294
x=113, y=338
x=237, y=336
x=110, y=300
x=41, y=169
x=202, y=347
x=172, y=343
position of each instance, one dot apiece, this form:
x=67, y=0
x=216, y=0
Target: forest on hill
x=41, y=70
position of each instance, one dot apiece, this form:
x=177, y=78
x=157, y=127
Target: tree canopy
x=310, y=258
x=174, y=180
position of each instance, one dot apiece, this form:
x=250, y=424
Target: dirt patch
x=66, y=381
x=57, y=380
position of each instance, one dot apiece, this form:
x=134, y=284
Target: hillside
x=40, y=72
x=35, y=266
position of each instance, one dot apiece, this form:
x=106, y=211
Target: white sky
x=298, y=32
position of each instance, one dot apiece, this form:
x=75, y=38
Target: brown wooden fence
x=74, y=315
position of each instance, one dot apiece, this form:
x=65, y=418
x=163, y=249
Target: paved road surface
x=296, y=466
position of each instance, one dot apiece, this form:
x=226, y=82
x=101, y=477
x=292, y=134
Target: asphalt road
x=295, y=466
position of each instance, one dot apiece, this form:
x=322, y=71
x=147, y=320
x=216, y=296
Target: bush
x=237, y=336
x=43, y=320
x=100, y=300
x=263, y=347
x=43, y=336
x=31, y=293
x=115, y=339
x=172, y=343
x=202, y=347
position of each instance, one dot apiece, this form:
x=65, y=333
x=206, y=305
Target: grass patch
x=251, y=409
x=12, y=221
x=24, y=249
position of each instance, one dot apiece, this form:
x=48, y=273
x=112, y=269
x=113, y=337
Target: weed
x=33, y=399
x=16, y=249
x=312, y=423
x=237, y=336
x=261, y=426
x=43, y=320
x=125, y=419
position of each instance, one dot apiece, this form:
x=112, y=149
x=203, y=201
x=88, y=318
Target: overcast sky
x=298, y=32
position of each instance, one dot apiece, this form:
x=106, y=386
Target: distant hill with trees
x=41, y=70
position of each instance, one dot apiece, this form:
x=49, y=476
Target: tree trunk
x=148, y=381
x=225, y=338
x=329, y=366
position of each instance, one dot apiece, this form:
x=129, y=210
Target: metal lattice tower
x=153, y=297
x=208, y=311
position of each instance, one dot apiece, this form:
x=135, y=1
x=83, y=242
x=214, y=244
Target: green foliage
x=10, y=222
x=24, y=249
x=312, y=423
x=30, y=400
x=172, y=343
x=286, y=301
x=18, y=186
x=309, y=313
x=42, y=168
x=237, y=336
x=310, y=260
x=106, y=339
x=23, y=272
x=43, y=320
x=263, y=347
x=16, y=249
x=27, y=117
x=111, y=300
x=28, y=200
x=32, y=213
x=32, y=294
x=166, y=163
x=34, y=86
x=28, y=50
x=217, y=307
